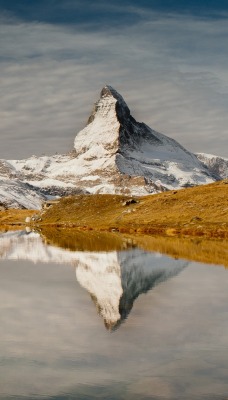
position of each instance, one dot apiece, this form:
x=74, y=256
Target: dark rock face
x=122, y=110
x=60, y=192
x=92, y=116
x=131, y=132
x=3, y=207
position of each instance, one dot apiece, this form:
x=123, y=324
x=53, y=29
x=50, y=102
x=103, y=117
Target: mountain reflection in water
x=53, y=345
x=113, y=279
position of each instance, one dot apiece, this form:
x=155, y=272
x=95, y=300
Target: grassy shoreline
x=191, y=223
x=200, y=211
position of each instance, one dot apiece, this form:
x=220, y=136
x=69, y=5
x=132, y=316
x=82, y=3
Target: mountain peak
x=110, y=99
x=116, y=147
x=113, y=154
x=122, y=109
x=109, y=91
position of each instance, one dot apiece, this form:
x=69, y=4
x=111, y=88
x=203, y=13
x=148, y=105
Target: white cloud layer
x=171, y=70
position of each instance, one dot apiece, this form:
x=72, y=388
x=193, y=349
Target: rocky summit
x=113, y=154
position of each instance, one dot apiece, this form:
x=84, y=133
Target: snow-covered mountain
x=27, y=183
x=113, y=154
x=113, y=279
x=216, y=165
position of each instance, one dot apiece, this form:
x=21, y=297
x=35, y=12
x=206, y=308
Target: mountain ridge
x=113, y=154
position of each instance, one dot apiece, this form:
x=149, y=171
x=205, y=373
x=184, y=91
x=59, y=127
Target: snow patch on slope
x=16, y=194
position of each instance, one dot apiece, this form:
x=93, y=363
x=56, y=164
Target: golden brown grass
x=14, y=218
x=194, y=248
x=75, y=240
x=198, y=249
x=198, y=211
x=210, y=251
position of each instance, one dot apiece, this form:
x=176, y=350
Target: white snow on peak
x=100, y=137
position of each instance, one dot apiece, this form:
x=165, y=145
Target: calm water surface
x=109, y=325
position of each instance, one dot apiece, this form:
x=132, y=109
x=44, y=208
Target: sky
x=168, y=59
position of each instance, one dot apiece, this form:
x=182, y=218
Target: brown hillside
x=201, y=210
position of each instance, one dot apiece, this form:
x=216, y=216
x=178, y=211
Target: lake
x=93, y=318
